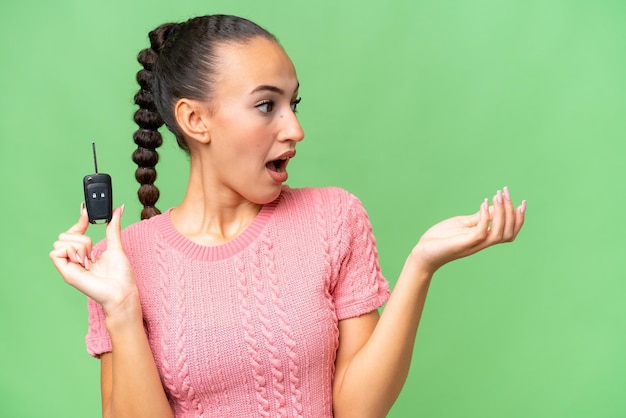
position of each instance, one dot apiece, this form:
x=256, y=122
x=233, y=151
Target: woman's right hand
x=109, y=279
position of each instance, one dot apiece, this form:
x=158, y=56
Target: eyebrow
x=274, y=89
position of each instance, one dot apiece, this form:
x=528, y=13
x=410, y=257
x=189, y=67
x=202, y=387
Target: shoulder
x=140, y=233
x=146, y=227
x=319, y=195
x=333, y=206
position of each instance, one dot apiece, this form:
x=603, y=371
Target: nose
x=291, y=130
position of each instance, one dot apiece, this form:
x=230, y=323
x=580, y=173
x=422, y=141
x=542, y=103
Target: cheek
x=253, y=140
x=243, y=138
x=246, y=151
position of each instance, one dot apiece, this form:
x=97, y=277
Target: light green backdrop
x=421, y=108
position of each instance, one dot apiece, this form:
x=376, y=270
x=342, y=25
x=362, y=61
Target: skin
x=231, y=139
x=249, y=122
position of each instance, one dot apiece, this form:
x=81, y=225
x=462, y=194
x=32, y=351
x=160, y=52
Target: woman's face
x=252, y=122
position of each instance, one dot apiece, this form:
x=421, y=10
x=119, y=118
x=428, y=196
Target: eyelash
x=269, y=104
x=295, y=104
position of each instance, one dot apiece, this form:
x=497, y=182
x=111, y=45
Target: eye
x=266, y=106
x=295, y=103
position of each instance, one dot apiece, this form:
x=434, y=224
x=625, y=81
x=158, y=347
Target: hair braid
x=147, y=137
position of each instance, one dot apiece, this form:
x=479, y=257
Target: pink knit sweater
x=249, y=328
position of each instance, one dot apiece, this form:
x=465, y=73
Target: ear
x=192, y=118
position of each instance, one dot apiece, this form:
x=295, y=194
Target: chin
x=266, y=196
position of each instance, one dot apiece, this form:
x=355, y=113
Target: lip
x=280, y=175
x=287, y=155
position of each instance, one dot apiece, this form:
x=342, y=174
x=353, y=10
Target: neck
x=211, y=215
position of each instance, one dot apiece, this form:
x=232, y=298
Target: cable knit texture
x=249, y=328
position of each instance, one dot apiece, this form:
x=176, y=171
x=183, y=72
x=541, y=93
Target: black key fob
x=98, y=194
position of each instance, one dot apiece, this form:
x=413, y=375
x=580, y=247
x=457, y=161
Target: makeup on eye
x=267, y=105
x=295, y=103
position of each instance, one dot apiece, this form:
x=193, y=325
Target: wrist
x=420, y=264
x=124, y=313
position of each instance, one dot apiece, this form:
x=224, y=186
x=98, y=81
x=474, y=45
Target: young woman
x=249, y=298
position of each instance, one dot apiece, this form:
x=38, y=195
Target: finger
x=64, y=259
x=72, y=273
x=114, y=230
x=76, y=240
x=81, y=226
x=81, y=249
x=73, y=256
x=81, y=243
x=485, y=217
x=520, y=216
x=497, y=221
x=72, y=253
x=472, y=221
x=480, y=224
x=509, y=217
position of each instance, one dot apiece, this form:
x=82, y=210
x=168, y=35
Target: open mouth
x=278, y=166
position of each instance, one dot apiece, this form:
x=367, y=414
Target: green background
x=421, y=108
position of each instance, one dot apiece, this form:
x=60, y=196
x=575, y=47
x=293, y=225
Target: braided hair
x=180, y=63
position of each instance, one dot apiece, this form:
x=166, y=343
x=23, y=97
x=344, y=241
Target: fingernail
x=523, y=207
x=82, y=207
x=507, y=195
x=123, y=206
x=499, y=196
x=80, y=260
x=486, y=204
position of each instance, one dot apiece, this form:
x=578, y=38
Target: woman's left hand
x=461, y=236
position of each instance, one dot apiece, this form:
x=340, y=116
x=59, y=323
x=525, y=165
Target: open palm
x=461, y=236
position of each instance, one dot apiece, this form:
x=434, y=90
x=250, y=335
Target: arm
x=374, y=354
x=130, y=382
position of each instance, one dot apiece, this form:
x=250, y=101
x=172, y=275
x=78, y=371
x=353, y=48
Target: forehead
x=258, y=61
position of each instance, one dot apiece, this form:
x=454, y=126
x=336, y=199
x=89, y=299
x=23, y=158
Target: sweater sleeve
x=360, y=287
x=97, y=340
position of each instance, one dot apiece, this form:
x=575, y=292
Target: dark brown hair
x=180, y=63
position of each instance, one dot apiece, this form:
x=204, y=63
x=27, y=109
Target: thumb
x=479, y=218
x=484, y=216
x=113, y=232
x=81, y=226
